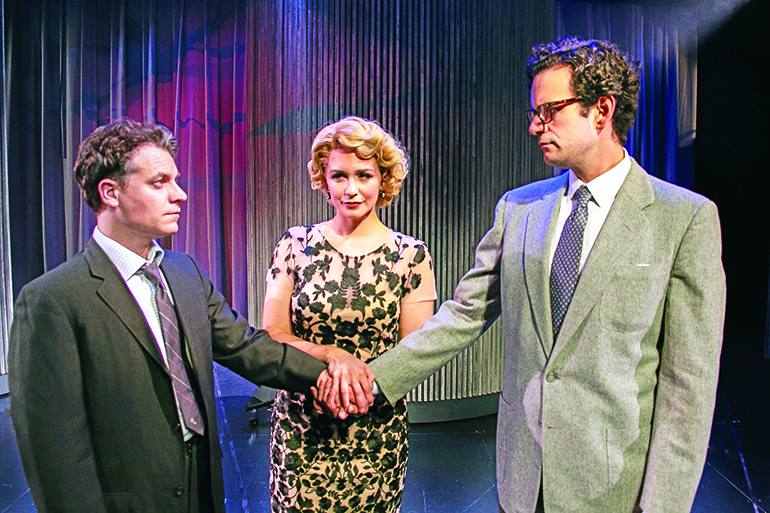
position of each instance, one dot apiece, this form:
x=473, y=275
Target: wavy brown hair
x=367, y=139
x=107, y=153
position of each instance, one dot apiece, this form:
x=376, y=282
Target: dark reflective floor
x=452, y=464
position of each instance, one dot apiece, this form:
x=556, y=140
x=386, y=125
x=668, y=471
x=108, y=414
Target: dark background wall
x=731, y=163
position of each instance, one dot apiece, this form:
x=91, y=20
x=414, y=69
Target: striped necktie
x=179, y=379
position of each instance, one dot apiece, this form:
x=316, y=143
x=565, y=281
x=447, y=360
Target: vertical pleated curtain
x=6, y=289
x=663, y=38
x=74, y=65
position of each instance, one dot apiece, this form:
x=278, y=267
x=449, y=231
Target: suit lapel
x=114, y=292
x=624, y=226
x=538, y=231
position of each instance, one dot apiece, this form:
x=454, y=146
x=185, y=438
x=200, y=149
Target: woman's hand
x=321, y=394
x=349, y=387
x=331, y=403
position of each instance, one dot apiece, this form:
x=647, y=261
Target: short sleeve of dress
x=421, y=282
x=281, y=272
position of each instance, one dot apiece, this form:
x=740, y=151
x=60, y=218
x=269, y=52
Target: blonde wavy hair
x=367, y=139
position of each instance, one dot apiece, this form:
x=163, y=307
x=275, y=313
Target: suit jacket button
x=178, y=492
x=551, y=377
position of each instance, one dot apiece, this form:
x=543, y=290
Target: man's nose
x=177, y=193
x=536, y=126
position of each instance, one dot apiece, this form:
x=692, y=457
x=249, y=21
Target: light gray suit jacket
x=616, y=412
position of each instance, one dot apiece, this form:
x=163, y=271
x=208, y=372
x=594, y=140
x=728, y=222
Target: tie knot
x=583, y=196
x=150, y=271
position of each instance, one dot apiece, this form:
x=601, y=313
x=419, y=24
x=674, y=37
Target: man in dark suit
x=111, y=353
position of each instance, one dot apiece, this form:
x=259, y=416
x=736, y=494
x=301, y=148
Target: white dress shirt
x=128, y=263
x=603, y=188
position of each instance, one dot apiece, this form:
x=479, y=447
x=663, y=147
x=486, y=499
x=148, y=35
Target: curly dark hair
x=599, y=69
x=107, y=153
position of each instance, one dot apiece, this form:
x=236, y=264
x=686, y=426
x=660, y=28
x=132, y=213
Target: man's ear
x=605, y=109
x=109, y=191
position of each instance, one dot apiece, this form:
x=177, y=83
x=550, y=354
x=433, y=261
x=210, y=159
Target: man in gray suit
x=111, y=353
x=612, y=293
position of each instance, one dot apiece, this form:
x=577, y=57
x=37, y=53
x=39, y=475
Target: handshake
x=345, y=387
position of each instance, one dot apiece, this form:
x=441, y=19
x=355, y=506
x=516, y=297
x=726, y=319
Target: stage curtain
x=663, y=39
x=6, y=282
x=73, y=65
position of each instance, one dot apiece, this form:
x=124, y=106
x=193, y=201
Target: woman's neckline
x=377, y=246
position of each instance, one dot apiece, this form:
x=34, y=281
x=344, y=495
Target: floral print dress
x=319, y=463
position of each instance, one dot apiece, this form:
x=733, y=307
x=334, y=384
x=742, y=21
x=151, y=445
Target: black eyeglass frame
x=544, y=111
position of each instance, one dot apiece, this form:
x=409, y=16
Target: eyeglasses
x=545, y=111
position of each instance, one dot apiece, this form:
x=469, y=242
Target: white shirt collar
x=126, y=261
x=604, y=187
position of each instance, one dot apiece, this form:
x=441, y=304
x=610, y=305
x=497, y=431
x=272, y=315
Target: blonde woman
x=346, y=286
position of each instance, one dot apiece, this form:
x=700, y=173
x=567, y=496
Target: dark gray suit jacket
x=91, y=400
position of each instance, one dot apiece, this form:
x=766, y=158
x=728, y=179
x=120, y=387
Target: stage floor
x=452, y=464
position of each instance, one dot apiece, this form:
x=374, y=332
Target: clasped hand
x=345, y=387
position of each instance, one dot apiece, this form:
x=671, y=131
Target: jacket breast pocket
x=632, y=297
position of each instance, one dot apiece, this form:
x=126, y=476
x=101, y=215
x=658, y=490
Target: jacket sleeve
x=458, y=322
x=48, y=407
x=689, y=367
x=251, y=352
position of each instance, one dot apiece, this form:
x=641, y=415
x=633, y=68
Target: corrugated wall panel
x=447, y=78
